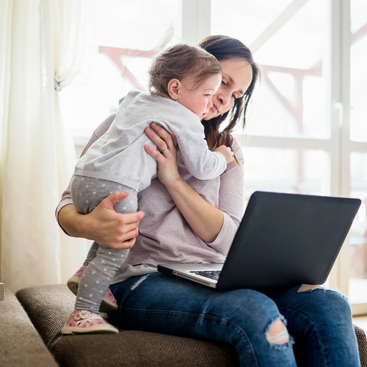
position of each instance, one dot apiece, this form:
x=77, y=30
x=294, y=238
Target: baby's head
x=188, y=75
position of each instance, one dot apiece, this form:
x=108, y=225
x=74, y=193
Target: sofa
x=31, y=320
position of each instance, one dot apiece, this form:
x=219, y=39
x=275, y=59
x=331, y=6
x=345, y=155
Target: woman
x=187, y=220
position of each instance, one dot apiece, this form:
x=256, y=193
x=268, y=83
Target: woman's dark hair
x=225, y=48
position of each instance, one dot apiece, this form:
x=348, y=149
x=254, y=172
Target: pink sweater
x=164, y=235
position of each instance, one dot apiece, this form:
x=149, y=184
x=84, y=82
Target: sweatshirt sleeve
x=199, y=160
x=231, y=202
x=101, y=129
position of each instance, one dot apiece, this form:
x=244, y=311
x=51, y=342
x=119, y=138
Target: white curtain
x=42, y=44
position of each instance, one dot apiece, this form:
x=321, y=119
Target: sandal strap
x=84, y=317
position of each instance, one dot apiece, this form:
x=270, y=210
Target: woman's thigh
x=320, y=322
x=173, y=306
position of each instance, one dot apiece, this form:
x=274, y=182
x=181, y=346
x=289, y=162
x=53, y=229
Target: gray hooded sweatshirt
x=119, y=155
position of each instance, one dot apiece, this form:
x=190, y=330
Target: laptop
x=283, y=240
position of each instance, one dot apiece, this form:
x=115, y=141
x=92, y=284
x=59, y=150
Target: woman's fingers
x=125, y=235
x=155, y=154
x=112, y=199
x=166, y=156
x=156, y=139
x=116, y=196
x=162, y=137
x=112, y=229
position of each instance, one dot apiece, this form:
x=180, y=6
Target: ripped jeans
x=319, y=328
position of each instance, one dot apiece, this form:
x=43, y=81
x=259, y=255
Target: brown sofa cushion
x=20, y=344
x=49, y=307
x=362, y=345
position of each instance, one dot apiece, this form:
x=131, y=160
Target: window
x=128, y=34
x=288, y=132
x=357, y=151
x=306, y=130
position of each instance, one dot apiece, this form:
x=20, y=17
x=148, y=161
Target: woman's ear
x=173, y=88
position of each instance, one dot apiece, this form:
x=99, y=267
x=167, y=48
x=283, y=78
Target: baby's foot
x=87, y=322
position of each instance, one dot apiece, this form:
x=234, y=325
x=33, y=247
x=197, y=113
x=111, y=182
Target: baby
x=183, y=80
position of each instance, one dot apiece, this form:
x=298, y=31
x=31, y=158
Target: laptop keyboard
x=212, y=274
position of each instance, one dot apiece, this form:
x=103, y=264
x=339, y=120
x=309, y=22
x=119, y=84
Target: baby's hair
x=178, y=62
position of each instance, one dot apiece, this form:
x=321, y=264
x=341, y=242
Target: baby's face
x=199, y=100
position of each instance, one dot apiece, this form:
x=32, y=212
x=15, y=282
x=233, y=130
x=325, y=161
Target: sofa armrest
x=2, y=291
x=20, y=344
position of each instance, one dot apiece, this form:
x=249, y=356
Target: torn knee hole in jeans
x=309, y=287
x=277, y=333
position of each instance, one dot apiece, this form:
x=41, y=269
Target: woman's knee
x=252, y=310
x=327, y=302
x=335, y=295
x=277, y=333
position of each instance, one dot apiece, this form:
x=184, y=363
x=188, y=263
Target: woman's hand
x=166, y=158
x=227, y=152
x=204, y=219
x=103, y=225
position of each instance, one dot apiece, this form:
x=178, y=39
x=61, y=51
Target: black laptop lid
x=285, y=240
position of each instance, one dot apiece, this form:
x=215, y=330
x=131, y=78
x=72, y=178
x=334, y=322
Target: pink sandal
x=87, y=322
x=109, y=303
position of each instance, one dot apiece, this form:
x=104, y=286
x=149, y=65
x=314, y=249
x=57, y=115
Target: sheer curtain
x=42, y=44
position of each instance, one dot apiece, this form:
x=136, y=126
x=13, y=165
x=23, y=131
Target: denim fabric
x=319, y=321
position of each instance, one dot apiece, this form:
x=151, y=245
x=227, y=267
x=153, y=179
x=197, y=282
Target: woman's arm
x=204, y=219
x=103, y=224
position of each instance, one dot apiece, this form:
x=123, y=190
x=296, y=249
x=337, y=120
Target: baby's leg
x=99, y=273
x=86, y=195
x=88, y=192
x=97, y=278
x=92, y=253
x=109, y=303
x=85, y=202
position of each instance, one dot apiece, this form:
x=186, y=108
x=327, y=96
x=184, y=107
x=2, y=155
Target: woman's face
x=236, y=78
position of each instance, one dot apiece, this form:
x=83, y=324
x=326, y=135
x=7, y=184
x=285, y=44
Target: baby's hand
x=227, y=152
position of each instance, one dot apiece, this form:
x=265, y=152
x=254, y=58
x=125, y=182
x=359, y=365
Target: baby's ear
x=173, y=88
